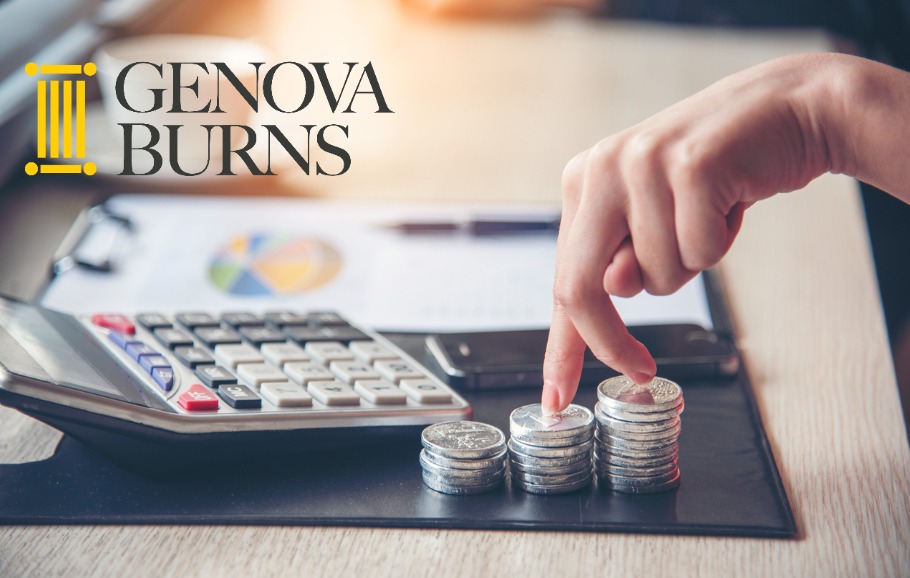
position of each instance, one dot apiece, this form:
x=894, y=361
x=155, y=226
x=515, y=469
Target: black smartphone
x=510, y=359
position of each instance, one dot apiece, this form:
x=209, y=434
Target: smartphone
x=511, y=359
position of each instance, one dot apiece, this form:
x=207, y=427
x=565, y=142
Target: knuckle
x=570, y=293
x=664, y=285
x=573, y=176
x=644, y=147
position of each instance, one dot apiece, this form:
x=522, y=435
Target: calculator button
x=172, y=338
x=241, y=319
x=370, y=351
x=324, y=352
x=164, y=377
x=380, y=392
x=137, y=349
x=333, y=393
x=286, y=394
x=281, y=353
x=307, y=334
x=193, y=356
x=303, y=372
x=351, y=371
x=114, y=321
x=149, y=362
x=259, y=335
x=122, y=340
x=213, y=336
x=152, y=320
x=197, y=398
x=214, y=375
x=232, y=354
x=254, y=374
x=425, y=391
x=194, y=320
x=239, y=396
x=324, y=318
x=395, y=370
x=282, y=318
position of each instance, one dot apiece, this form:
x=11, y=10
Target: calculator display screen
x=38, y=332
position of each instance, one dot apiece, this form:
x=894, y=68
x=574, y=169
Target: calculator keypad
x=281, y=361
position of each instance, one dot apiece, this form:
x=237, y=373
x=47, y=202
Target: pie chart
x=262, y=264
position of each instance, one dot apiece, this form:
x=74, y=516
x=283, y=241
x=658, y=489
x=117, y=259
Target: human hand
x=653, y=205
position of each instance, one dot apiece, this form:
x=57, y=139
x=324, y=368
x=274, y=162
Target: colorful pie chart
x=262, y=264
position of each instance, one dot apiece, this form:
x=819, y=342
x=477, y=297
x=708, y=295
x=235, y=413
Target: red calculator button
x=114, y=321
x=198, y=398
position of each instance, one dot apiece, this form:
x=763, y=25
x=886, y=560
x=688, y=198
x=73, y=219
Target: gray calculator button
x=326, y=351
x=233, y=354
x=351, y=371
x=213, y=336
x=172, y=338
x=425, y=391
x=193, y=357
x=380, y=392
x=254, y=374
x=280, y=353
x=370, y=351
x=195, y=320
x=395, y=370
x=303, y=372
x=285, y=394
x=333, y=393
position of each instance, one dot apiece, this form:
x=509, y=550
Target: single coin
x=667, y=452
x=606, y=457
x=552, y=480
x=606, y=468
x=560, y=452
x=580, y=466
x=551, y=489
x=653, y=436
x=464, y=482
x=637, y=445
x=443, y=471
x=562, y=442
x=635, y=416
x=463, y=439
x=616, y=479
x=537, y=462
x=465, y=464
x=632, y=489
x=605, y=421
x=529, y=424
x=460, y=490
x=658, y=395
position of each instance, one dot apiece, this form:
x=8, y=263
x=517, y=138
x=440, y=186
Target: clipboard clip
x=94, y=242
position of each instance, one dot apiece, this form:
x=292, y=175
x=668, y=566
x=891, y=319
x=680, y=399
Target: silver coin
x=537, y=462
x=529, y=424
x=466, y=464
x=658, y=395
x=605, y=468
x=552, y=480
x=667, y=452
x=583, y=465
x=616, y=479
x=636, y=445
x=638, y=417
x=443, y=471
x=560, y=452
x=602, y=457
x=653, y=436
x=463, y=439
x=552, y=489
x=460, y=490
x=563, y=442
x=655, y=489
x=622, y=425
x=464, y=482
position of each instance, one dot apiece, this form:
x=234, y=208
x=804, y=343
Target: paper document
x=252, y=254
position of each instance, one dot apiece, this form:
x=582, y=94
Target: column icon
x=61, y=119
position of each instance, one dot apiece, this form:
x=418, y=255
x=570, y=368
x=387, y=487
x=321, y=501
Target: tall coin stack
x=463, y=457
x=551, y=454
x=637, y=439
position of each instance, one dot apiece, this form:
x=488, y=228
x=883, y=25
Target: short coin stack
x=463, y=457
x=551, y=454
x=638, y=429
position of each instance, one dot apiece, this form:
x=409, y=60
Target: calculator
x=161, y=391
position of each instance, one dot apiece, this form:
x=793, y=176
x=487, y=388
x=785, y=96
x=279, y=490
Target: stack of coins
x=551, y=454
x=463, y=457
x=638, y=429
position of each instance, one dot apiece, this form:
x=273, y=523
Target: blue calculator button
x=149, y=362
x=164, y=377
x=137, y=349
x=121, y=339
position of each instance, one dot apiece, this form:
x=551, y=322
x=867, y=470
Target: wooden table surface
x=493, y=111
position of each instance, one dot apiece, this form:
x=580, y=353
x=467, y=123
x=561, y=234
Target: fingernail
x=549, y=399
x=641, y=378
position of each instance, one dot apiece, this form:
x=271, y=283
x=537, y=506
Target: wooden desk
x=800, y=281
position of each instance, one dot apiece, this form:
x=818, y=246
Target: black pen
x=480, y=226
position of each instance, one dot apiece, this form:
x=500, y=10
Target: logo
x=60, y=119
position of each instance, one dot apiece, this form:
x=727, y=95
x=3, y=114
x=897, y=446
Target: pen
x=480, y=226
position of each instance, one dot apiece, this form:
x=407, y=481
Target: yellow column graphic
x=55, y=119
x=67, y=119
x=42, y=118
x=80, y=118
